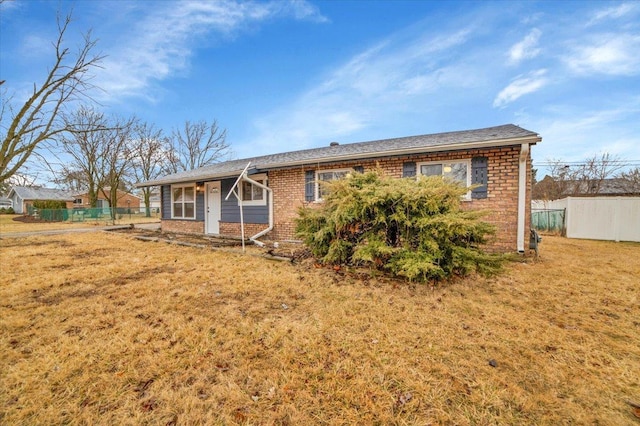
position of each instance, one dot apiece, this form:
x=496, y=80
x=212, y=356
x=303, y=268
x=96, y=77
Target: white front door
x=212, y=223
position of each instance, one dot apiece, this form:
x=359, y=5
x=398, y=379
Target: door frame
x=213, y=199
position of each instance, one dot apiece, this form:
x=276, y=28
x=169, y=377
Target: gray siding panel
x=165, y=195
x=231, y=211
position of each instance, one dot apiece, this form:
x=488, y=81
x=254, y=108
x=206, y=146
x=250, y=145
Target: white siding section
x=600, y=218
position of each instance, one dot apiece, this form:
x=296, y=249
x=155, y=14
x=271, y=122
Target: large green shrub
x=49, y=204
x=412, y=228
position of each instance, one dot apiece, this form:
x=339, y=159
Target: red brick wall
x=501, y=202
x=183, y=226
x=233, y=229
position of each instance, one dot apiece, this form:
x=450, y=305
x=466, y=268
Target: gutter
x=522, y=195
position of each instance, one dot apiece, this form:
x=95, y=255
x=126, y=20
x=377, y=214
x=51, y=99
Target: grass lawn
x=103, y=329
x=9, y=225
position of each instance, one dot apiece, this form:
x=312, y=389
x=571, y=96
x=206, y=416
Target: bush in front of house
x=411, y=228
x=7, y=210
x=49, y=204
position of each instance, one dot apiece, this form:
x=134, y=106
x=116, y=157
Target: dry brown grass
x=105, y=329
x=8, y=225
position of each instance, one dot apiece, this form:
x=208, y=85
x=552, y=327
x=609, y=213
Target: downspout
x=270, y=201
x=522, y=196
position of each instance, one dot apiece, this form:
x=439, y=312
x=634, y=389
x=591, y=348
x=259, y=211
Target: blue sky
x=281, y=75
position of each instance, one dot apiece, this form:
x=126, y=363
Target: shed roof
x=504, y=135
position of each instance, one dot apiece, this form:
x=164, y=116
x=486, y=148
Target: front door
x=212, y=223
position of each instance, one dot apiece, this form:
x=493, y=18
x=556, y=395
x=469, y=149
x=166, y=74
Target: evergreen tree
x=412, y=228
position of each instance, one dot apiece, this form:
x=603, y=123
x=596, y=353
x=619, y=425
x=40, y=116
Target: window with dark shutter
x=479, y=177
x=309, y=185
x=409, y=169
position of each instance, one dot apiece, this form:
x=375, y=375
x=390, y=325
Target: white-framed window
x=253, y=195
x=183, y=202
x=455, y=170
x=77, y=201
x=327, y=176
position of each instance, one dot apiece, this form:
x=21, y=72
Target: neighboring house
x=23, y=197
x=155, y=202
x=550, y=189
x=5, y=203
x=125, y=201
x=275, y=186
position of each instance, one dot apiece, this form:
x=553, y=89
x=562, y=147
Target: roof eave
x=408, y=151
x=389, y=153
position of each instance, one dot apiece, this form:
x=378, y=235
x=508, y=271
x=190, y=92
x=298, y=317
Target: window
x=77, y=201
x=183, y=201
x=327, y=176
x=253, y=195
x=457, y=171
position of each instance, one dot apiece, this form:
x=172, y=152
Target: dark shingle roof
x=466, y=139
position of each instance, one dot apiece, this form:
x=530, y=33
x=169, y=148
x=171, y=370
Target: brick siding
x=183, y=226
x=288, y=187
x=501, y=202
x=233, y=229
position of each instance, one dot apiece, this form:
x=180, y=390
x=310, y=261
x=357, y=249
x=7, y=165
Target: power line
x=583, y=163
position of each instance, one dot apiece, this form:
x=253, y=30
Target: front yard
x=9, y=224
x=101, y=328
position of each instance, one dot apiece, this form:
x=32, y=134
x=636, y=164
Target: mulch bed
x=291, y=251
x=29, y=219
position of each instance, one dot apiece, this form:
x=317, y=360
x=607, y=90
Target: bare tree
x=84, y=143
x=100, y=153
x=593, y=173
x=587, y=177
x=196, y=145
x=71, y=180
x=116, y=160
x=629, y=181
x=24, y=178
x=38, y=120
x=149, y=151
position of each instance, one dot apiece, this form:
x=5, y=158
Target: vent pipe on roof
x=334, y=144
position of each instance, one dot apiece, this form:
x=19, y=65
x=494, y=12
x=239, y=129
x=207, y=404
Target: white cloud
x=161, y=43
x=522, y=85
x=8, y=5
x=614, y=12
x=525, y=49
x=611, y=54
x=399, y=73
x=573, y=133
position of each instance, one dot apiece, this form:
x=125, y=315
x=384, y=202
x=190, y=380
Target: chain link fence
x=102, y=214
x=549, y=220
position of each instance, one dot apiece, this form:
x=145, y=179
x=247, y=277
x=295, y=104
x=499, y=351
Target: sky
x=287, y=75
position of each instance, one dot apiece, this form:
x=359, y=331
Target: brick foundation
x=182, y=226
x=233, y=229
